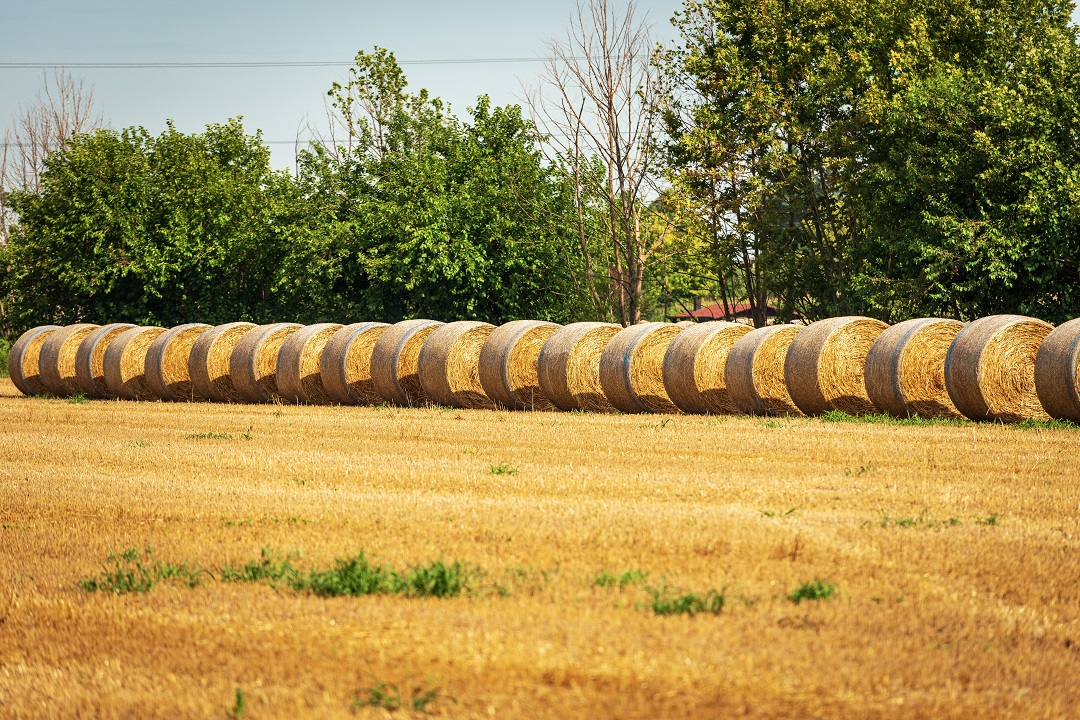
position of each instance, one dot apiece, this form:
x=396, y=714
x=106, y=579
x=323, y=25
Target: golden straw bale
x=345, y=365
x=508, y=364
x=167, y=363
x=568, y=367
x=56, y=362
x=694, y=366
x=632, y=368
x=449, y=365
x=90, y=359
x=253, y=363
x=754, y=372
x=905, y=368
x=395, y=359
x=1056, y=378
x=825, y=365
x=208, y=362
x=23, y=368
x=298, y=362
x=124, y=363
x=990, y=368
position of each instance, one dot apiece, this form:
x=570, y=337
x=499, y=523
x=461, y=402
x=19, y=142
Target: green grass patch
x=608, y=579
x=812, y=591
x=246, y=435
x=988, y=520
x=5, y=351
x=357, y=576
x=839, y=416
x=135, y=571
x=387, y=696
x=915, y=521
x=503, y=469
x=1055, y=424
x=667, y=601
x=268, y=568
x=77, y=399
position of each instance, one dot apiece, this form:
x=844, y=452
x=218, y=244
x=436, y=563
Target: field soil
x=952, y=555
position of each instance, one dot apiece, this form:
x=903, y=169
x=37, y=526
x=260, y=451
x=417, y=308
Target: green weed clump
x=814, y=590
x=77, y=399
x=387, y=696
x=665, y=602
x=356, y=576
x=268, y=568
x=134, y=571
x=503, y=469
x=608, y=579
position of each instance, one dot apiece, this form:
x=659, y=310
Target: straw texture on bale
x=1057, y=381
x=23, y=359
x=298, y=362
x=990, y=368
x=345, y=365
x=56, y=362
x=253, y=363
x=905, y=368
x=449, y=365
x=825, y=365
x=694, y=367
x=167, y=363
x=569, y=366
x=208, y=362
x=90, y=359
x=508, y=364
x=395, y=359
x=125, y=363
x=632, y=368
x=754, y=372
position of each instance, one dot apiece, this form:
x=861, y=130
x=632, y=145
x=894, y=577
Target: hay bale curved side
x=23, y=366
x=568, y=367
x=905, y=368
x=56, y=361
x=167, y=363
x=1057, y=381
x=449, y=365
x=124, y=363
x=754, y=371
x=632, y=368
x=298, y=361
x=90, y=359
x=694, y=367
x=253, y=363
x=826, y=364
x=508, y=364
x=990, y=368
x=208, y=362
x=395, y=358
x=345, y=365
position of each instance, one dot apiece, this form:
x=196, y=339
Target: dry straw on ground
x=632, y=368
x=825, y=365
x=990, y=368
x=508, y=364
x=754, y=372
x=125, y=363
x=568, y=367
x=253, y=363
x=208, y=363
x=298, y=362
x=449, y=365
x=167, y=373
x=345, y=365
x=394, y=361
x=694, y=367
x=905, y=368
x=56, y=362
x=23, y=359
x=1057, y=381
x=90, y=359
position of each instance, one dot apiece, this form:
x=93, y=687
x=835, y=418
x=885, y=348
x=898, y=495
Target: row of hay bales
x=1004, y=367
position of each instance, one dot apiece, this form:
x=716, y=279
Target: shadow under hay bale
x=568, y=367
x=826, y=363
x=449, y=365
x=56, y=362
x=1057, y=381
x=345, y=365
x=395, y=359
x=905, y=369
x=208, y=362
x=167, y=363
x=298, y=378
x=508, y=361
x=694, y=367
x=253, y=363
x=632, y=368
x=23, y=367
x=754, y=372
x=124, y=363
x=90, y=360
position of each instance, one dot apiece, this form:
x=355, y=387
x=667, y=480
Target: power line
x=241, y=64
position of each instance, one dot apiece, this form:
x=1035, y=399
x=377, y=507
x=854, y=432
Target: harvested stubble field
x=953, y=553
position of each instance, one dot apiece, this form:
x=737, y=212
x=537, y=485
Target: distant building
x=741, y=312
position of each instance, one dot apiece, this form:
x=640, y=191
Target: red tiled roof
x=716, y=312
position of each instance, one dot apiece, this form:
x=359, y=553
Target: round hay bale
x=694, y=367
x=905, y=368
x=298, y=362
x=754, y=372
x=449, y=365
x=124, y=363
x=990, y=368
x=508, y=364
x=23, y=367
x=632, y=368
x=56, y=362
x=395, y=358
x=1056, y=378
x=90, y=359
x=253, y=363
x=826, y=362
x=345, y=365
x=208, y=362
x=167, y=363
x=569, y=366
